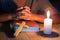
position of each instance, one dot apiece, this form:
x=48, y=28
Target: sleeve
x=7, y=7
x=56, y=4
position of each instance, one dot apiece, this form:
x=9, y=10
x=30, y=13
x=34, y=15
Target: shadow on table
x=52, y=35
x=8, y=31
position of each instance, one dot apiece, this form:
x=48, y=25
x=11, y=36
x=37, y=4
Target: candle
x=48, y=24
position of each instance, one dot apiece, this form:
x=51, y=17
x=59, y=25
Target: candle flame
x=48, y=14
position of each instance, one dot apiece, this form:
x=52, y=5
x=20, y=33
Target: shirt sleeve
x=7, y=7
x=56, y=4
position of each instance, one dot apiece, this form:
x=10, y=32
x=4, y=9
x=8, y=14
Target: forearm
x=5, y=17
x=39, y=18
x=55, y=18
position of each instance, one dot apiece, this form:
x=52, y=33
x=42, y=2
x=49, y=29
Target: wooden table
x=32, y=35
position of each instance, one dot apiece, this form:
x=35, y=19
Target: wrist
x=36, y=17
x=13, y=16
x=40, y=18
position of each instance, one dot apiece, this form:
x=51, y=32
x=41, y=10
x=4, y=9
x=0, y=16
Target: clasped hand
x=25, y=14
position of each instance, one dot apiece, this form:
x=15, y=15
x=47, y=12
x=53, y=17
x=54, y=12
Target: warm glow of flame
x=48, y=14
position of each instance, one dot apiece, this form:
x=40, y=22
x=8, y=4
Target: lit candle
x=48, y=24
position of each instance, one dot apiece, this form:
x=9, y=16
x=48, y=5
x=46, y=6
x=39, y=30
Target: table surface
x=33, y=35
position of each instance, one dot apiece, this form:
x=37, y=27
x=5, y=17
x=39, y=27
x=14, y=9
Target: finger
x=20, y=8
x=27, y=7
x=25, y=18
x=25, y=13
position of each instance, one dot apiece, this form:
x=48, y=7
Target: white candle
x=48, y=24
